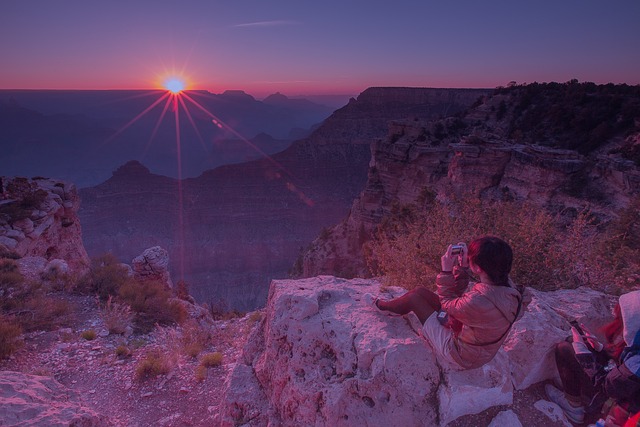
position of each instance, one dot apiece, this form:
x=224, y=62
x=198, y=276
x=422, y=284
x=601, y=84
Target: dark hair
x=494, y=256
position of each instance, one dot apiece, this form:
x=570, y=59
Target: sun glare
x=174, y=85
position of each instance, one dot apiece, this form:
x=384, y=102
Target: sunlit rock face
x=38, y=218
x=239, y=226
x=475, y=154
x=321, y=356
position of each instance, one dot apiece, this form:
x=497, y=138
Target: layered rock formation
x=323, y=357
x=38, y=218
x=232, y=229
x=484, y=153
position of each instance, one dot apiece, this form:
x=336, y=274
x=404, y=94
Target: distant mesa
x=275, y=99
x=237, y=95
x=131, y=169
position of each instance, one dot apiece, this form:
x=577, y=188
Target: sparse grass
x=153, y=364
x=89, y=335
x=10, y=332
x=211, y=360
x=116, y=316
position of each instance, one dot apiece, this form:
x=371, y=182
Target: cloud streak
x=260, y=24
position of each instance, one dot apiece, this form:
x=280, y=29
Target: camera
x=456, y=249
x=442, y=317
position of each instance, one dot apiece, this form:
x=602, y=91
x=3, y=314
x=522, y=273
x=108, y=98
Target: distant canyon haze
x=83, y=136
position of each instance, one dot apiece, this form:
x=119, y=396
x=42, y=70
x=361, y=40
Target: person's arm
x=453, y=280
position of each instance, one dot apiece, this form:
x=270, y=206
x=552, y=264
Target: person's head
x=494, y=256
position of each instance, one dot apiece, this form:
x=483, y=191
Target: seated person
x=592, y=373
x=466, y=327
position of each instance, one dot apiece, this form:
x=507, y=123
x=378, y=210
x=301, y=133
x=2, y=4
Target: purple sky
x=315, y=47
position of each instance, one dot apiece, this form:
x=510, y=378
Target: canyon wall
x=484, y=153
x=232, y=229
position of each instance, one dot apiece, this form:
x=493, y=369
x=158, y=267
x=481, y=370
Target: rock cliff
x=38, y=218
x=245, y=224
x=323, y=357
x=502, y=148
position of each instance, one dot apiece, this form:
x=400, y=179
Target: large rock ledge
x=322, y=357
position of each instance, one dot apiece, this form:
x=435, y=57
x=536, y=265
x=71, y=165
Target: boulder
x=42, y=401
x=321, y=356
x=153, y=264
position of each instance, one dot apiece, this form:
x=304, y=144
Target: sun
x=174, y=85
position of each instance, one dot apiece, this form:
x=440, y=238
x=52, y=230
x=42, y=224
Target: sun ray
x=181, y=240
x=222, y=124
x=136, y=118
x=155, y=129
x=193, y=124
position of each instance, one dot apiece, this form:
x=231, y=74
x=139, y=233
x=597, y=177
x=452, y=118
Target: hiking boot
x=575, y=414
x=373, y=302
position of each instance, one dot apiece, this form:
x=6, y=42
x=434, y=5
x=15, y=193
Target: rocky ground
x=107, y=383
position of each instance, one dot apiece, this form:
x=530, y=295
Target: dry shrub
x=154, y=363
x=57, y=279
x=547, y=255
x=201, y=373
x=10, y=332
x=105, y=277
x=44, y=312
x=170, y=339
x=89, y=335
x=194, y=338
x=152, y=303
x=255, y=316
x=211, y=360
x=27, y=302
x=116, y=316
x=123, y=351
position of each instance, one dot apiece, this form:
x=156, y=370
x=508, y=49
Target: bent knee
x=564, y=351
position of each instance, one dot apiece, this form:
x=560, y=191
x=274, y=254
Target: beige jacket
x=485, y=311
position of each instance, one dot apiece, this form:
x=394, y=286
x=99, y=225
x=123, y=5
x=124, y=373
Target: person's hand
x=591, y=339
x=463, y=258
x=447, y=261
x=578, y=343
